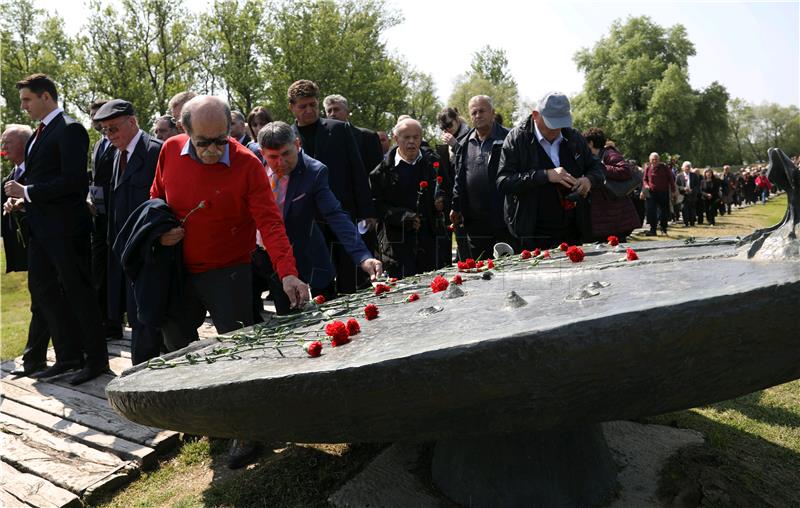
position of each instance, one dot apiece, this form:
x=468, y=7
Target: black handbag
x=621, y=189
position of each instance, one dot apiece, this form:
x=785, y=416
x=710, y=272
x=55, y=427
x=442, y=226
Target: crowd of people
x=214, y=207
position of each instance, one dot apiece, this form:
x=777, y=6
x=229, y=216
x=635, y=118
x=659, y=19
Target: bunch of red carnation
x=338, y=333
x=381, y=288
x=371, y=311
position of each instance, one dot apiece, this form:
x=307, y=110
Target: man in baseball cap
x=546, y=170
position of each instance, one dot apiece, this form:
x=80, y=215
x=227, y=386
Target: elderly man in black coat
x=134, y=169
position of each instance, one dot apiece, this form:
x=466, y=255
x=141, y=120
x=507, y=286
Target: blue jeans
x=764, y=194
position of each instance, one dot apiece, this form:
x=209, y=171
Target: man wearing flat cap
x=546, y=171
x=134, y=169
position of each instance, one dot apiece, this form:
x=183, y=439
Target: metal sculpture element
x=779, y=241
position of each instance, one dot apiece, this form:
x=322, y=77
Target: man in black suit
x=54, y=197
x=239, y=128
x=332, y=143
x=134, y=168
x=102, y=166
x=15, y=243
x=369, y=144
x=688, y=183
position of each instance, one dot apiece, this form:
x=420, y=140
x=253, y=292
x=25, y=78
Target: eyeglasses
x=446, y=126
x=112, y=129
x=204, y=143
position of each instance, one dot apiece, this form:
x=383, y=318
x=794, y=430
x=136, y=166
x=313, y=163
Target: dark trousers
x=689, y=210
x=146, y=340
x=711, y=210
x=551, y=237
x=112, y=328
x=657, y=206
x=481, y=240
x=38, y=337
x=349, y=277
x=60, y=282
x=265, y=279
x=227, y=295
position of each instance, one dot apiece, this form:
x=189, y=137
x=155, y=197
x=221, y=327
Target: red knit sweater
x=237, y=200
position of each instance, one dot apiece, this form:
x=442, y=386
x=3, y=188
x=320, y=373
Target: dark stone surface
x=684, y=326
x=563, y=468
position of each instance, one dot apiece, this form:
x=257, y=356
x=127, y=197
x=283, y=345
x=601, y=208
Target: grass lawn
x=15, y=311
x=751, y=456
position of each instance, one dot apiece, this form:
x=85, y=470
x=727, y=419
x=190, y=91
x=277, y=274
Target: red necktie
x=39, y=129
x=123, y=163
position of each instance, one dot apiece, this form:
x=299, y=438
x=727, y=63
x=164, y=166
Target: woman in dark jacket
x=611, y=215
x=710, y=192
x=411, y=206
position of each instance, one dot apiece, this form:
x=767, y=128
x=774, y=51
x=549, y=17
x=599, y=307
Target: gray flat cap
x=554, y=108
x=113, y=109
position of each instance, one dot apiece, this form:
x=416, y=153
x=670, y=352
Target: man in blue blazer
x=134, y=168
x=300, y=186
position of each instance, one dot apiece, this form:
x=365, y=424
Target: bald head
x=207, y=121
x=13, y=141
x=204, y=109
x=408, y=136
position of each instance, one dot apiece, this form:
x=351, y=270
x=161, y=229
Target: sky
x=752, y=48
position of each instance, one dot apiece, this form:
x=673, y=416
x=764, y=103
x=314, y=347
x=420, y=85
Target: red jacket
x=236, y=198
x=659, y=177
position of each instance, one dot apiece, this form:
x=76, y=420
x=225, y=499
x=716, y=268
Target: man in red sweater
x=659, y=181
x=219, y=191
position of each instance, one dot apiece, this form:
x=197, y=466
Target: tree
x=34, y=42
x=338, y=46
x=145, y=56
x=711, y=127
x=421, y=102
x=232, y=31
x=488, y=75
x=740, y=119
x=637, y=87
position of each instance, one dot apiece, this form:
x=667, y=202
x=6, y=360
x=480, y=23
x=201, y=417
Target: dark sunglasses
x=203, y=143
x=446, y=126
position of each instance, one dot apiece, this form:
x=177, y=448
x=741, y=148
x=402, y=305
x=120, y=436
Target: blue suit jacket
x=309, y=196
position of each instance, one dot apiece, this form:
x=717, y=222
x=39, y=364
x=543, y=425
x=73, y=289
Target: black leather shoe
x=56, y=369
x=242, y=453
x=650, y=233
x=28, y=369
x=88, y=373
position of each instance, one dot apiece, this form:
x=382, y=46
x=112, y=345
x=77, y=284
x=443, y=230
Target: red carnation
x=462, y=266
x=631, y=254
x=393, y=280
x=546, y=254
x=353, y=327
x=423, y=185
x=338, y=333
x=439, y=284
x=563, y=247
x=336, y=342
x=451, y=228
x=371, y=311
x=413, y=297
x=490, y=263
x=439, y=180
x=314, y=349
x=436, y=165
x=613, y=241
x=319, y=299
x=575, y=254
x=381, y=288
x=526, y=254
x=537, y=252
x=479, y=265
x=457, y=280
x=470, y=263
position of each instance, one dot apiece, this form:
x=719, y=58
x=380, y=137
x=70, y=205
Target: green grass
x=15, y=312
